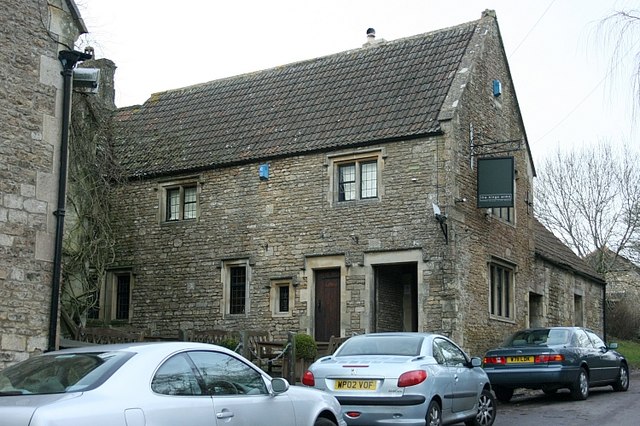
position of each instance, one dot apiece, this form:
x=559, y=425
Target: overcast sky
x=571, y=87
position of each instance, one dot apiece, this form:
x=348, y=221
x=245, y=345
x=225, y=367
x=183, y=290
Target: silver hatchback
x=405, y=378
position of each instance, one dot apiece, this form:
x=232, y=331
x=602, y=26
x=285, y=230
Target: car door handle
x=225, y=415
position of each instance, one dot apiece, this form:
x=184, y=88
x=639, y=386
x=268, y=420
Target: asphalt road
x=603, y=407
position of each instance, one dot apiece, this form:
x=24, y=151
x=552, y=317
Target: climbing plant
x=88, y=246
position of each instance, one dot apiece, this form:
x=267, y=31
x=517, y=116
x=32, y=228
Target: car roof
x=143, y=347
x=553, y=328
x=398, y=334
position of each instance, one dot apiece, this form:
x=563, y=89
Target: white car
x=155, y=384
x=405, y=378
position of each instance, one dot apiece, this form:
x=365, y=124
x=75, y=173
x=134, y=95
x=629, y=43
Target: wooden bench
x=262, y=350
x=328, y=348
x=103, y=335
x=213, y=336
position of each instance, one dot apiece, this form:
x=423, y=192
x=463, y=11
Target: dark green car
x=553, y=358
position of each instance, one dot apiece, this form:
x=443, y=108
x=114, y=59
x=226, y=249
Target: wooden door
x=327, y=304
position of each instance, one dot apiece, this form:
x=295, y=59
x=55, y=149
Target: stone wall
x=289, y=224
x=560, y=288
x=30, y=117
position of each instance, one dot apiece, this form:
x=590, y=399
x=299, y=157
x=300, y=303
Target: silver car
x=405, y=378
x=155, y=384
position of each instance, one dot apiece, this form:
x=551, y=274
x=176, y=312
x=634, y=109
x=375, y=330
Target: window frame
x=276, y=299
x=188, y=204
x=361, y=185
x=505, y=214
x=358, y=181
x=227, y=276
x=501, y=303
x=111, y=297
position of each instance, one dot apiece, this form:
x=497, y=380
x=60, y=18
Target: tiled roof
x=549, y=247
x=390, y=90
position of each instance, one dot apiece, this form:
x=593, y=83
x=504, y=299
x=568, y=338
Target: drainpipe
x=69, y=59
x=604, y=313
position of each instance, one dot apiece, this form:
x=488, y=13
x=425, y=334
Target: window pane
x=237, y=282
x=347, y=182
x=493, y=290
x=123, y=287
x=226, y=375
x=190, y=202
x=283, y=298
x=369, y=179
x=175, y=377
x=501, y=289
x=173, y=204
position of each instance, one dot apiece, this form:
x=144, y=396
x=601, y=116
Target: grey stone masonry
x=400, y=267
x=30, y=120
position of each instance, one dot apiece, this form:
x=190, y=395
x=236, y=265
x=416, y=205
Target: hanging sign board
x=495, y=182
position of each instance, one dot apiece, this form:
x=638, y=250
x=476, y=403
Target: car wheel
x=580, y=388
x=486, y=410
x=323, y=421
x=622, y=382
x=434, y=414
x=503, y=394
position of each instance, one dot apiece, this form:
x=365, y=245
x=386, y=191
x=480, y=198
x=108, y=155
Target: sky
x=573, y=86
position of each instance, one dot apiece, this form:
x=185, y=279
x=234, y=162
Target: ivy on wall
x=88, y=246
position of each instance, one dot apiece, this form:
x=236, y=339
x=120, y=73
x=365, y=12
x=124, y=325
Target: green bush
x=306, y=347
x=229, y=343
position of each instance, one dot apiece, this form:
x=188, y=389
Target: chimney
x=371, y=36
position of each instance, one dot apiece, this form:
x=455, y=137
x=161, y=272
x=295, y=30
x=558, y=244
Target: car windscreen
x=536, y=337
x=60, y=373
x=382, y=345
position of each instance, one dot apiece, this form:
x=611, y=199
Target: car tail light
x=494, y=360
x=545, y=358
x=308, y=379
x=353, y=414
x=412, y=378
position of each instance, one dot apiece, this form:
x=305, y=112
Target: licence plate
x=519, y=359
x=355, y=385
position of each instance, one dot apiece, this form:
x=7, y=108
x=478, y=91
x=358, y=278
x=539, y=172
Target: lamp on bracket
x=442, y=220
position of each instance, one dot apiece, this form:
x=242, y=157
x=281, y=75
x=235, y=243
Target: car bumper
x=407, y=410
x=532, y=377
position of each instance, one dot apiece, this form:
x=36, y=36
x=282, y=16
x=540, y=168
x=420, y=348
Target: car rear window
x=60, y=373
x=539, y=337
x=381, y=345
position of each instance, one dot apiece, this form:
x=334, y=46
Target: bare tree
x=590, y=198
x=624, y=26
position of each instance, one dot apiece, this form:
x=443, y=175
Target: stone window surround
x=225, y=276
x=166, y=185
x=512, y=269
x=274, y=294
x=332, y=161
x=109, y=298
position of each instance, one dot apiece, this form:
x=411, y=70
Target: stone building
x=33, y=32
x=337, y=196
x=622, y=275
x=558, y=269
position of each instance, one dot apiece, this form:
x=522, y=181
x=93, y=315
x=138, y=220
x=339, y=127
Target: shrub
x=623, y=319
x=306, y=347
x=229, y=343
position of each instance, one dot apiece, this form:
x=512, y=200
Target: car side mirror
x=279, y=385
x=476, y=361
x=613, y=345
